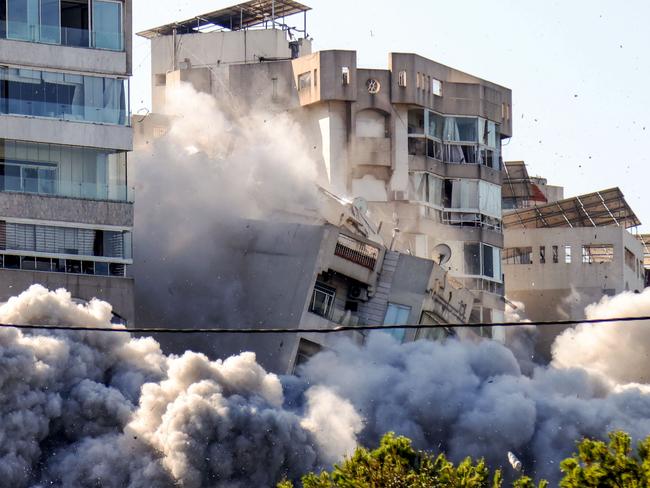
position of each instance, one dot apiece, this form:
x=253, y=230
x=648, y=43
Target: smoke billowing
x=198, y=187
x=104, y=409
x=94, y=408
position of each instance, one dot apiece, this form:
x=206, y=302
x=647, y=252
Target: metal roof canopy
x=645, y=240
x=236, y=17
x=518, y=184
x=598, y=209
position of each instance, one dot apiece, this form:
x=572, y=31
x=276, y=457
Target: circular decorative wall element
x=373, y=86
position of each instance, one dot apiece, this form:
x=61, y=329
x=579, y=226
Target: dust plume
x=104, y=409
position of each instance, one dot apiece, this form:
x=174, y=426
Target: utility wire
x=340, y=328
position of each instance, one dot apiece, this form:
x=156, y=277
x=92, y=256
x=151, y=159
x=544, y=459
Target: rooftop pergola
x=518, y=183
x=645, y=240
x=598, y=209
x=237, y=17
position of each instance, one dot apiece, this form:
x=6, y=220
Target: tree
x=396, y=464
x=608, y=465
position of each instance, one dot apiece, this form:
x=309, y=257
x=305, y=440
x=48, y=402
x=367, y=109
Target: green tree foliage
x=395, y=464
x=608, y=465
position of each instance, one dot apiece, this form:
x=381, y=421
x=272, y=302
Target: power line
x=340, y=328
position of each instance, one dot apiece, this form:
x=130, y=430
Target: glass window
x=435, y=124
x=462, y=129
x=50, y=24
x=472, y=257
x=68, y=96
x=322, y=300
x=22, y=19
x=397, y=315
x=107, y=24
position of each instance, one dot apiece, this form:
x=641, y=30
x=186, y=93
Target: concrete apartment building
x=561, y=254
x=66, y=212
x=419, y=141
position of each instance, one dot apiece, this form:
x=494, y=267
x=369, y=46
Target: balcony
x=67, y=189
x=356, y=251
x=65, y=25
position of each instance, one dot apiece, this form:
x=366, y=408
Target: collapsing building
x=419, y=141
x=358, y=264
x=562, y=254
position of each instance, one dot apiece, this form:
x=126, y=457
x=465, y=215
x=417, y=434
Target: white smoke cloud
x=616, y=350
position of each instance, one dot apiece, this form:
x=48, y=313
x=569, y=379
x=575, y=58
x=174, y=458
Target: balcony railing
x=62, y=265
x=64, y=36
x=69, y=189
x=356, y=251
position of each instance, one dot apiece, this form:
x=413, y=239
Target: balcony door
x=34, y=20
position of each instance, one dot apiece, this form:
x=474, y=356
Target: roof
x=236, y=17
x=598, y=209
x=518, y=184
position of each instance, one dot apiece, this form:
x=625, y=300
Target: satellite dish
x=360, y=204
x=441, y=254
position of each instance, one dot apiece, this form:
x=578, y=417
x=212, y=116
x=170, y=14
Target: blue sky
x=579, y=71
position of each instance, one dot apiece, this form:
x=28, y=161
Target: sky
x=579, y=71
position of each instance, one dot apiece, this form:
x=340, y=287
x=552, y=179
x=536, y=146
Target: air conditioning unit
x=399, y=195
x=356, y=292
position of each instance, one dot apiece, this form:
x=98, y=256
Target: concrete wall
x=117, y=291
x=54, y=131
x=215, y=51
x=41, y=207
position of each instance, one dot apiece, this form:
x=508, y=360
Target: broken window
x=518, y=255
x=306, y=349
x=542, y=254
x=555, y=254
x=597, y=253
x=304, y=81
x=416, y=121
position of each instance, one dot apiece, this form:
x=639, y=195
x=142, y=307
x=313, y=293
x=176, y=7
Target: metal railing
x=356, y=251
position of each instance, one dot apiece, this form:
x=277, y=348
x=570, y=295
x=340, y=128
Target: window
x=63, y=96
x=416, y=121
x=345, y=75
x=542, y=255
x=597, y=253
x=630, y=259
x=315, y=78
x=518, y=255
x=397, y=315
x=461, y=129
x=435, y=124
x=107, y=24
x=401, y=78
x=322, y=300
x=472, y=255
x=426, y=187
x=306, y=349
x=436, y=87
x=304, y=81
x=50, y=169
x=555, y=254
x=567, y=254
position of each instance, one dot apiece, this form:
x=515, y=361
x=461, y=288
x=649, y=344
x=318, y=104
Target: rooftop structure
x=598, y=209
x=242, y=16
x=560, y=256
